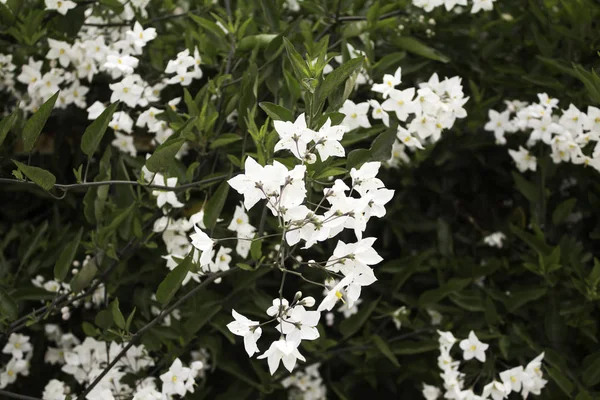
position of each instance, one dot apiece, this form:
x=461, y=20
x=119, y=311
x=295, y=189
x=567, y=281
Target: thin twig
x=85, y=185
x=137, y=337
x=351, y=18
x=11, y=395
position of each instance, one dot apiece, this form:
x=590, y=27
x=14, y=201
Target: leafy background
x=540, y=291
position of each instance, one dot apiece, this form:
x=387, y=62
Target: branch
x=75, y=186
x=137, y=337
x=364, y=18
x=65, y=299
x=11, y=395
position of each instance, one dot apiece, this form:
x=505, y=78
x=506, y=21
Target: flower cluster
x=349, y=207
x=572, y=135
x=20, y=351
x=526, y=380
x=306, y=384
x=53, y=286
x=422, y=114
x=86, y=360
x=478, y=5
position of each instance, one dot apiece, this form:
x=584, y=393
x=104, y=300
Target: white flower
x=54, y=390
x=379, y=113
x=60, y=51
x=62, y=6
x=513, y=378
x=472, y=347
x=523, y=159
x=355, y=115
x=249, y=330
x=499, y=123
x=95, y=110
x=407, y=139
x=364, y=178
x=300, y=324
x=124, y=143
x=240, y=218
x=174, y=380
x=496, y=390
x=282, y=350
x=120, y=64
x=389, y=83
x=139, y=37
x=166, y=196
x=17, y=345
x=496, y=239
x=202, y=242
x=485, y=5
x=327, y=140
x=430, y=392
x=294, y=136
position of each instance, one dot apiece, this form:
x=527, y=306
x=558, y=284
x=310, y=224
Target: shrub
x=301, y=199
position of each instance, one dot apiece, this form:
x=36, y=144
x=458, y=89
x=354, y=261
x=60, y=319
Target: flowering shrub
x=299, y=199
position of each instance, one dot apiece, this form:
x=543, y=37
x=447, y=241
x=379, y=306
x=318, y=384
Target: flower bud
x=308, y=301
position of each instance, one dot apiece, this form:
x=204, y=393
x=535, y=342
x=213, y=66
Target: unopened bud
x=308, y=301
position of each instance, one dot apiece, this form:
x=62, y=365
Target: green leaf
x=527, y=189
x=197, y=321
x=214, y=206
x=172, y=282
x=337, y=77
x=334, y=171
x=252, y=41
x=129, y=319
x=435, y=295
x=562, y=381
x=8, y=306
x=116, y=314
x=276, y=112
x=414, y=46
x=245, y=267
x=164, y=155
x=405, y=347
x=562, y=211
x=66, y=257
x=591, y=374
x=381, y=149
x=357, y=157
x=34, y=125
x=299, y=66
x=104, y=319
x=95, y=131
x=256, y=249
x=385, y=349
x=6, y=125
x=350, y=326
x=224, y=140
x=519, y=298
x=39, y=176
x=85, y=275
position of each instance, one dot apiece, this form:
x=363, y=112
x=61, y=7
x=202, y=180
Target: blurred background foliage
x=538, y=293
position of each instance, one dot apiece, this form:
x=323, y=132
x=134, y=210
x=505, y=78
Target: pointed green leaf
x=338, y=76
x=117, y=314
x=66, y=257
x=172, y=282
x=276, y=112
x=214, y=206
x=164, y=155
x=414, y=46
x=350, y=326
x=8, y=307
x=39, y=176
x=84, y=276
x=6, y=125
x=385, y=349
x=95, y=131
x=34, y=125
